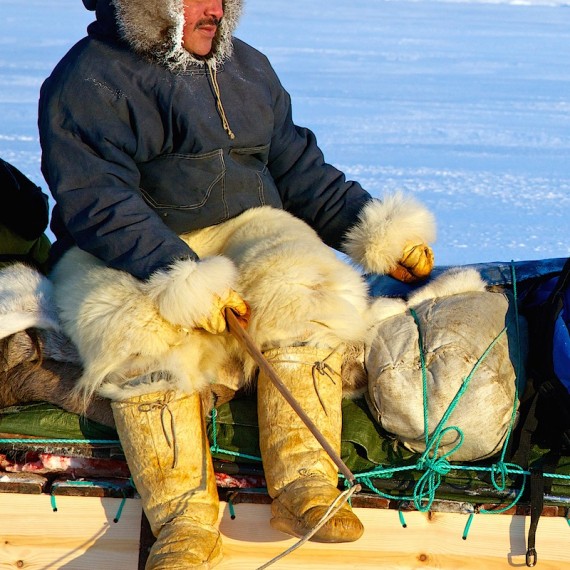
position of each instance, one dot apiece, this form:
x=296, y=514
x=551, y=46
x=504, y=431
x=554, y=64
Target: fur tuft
x=385, y=307
x=353, y=372
x=452, y=282
x=184, y=292
x=376, y=242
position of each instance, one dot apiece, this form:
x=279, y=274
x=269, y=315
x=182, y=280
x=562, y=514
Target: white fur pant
x=298, y=289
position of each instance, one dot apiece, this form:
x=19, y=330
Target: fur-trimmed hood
x=153, y=28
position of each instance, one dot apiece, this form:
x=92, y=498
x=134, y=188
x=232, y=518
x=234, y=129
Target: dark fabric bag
x=24, y=216
x=547, y=309
x=545, y=406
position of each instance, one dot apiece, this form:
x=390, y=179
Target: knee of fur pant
x=309, y=323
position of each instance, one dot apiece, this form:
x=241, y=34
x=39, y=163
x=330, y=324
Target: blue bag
x=545, y=406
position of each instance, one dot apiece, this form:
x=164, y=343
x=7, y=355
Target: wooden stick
x=237, y=330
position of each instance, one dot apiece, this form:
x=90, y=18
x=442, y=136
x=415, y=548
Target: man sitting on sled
x=183, y=188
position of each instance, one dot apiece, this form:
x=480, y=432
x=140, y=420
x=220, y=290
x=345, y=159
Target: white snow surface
x=465, y=104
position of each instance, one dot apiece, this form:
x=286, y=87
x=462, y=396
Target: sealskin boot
x=164, y=441
x=300, y=475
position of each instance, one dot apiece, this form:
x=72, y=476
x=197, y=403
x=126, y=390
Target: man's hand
x=215, y=321
x=415, y=264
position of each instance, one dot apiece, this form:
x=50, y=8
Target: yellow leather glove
x=215, y=321
x=416, y=263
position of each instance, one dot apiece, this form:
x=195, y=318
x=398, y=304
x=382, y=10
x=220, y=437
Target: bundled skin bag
x=443, y=366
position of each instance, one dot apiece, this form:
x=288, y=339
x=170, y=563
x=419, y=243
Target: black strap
x=536, y=506
x=521, y=441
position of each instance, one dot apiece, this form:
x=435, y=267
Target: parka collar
x=153, y=28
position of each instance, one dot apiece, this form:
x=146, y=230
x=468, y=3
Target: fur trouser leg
x=126, y=347
x=164, y=440
x=300, y=475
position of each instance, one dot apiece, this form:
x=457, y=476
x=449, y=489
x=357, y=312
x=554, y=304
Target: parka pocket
x=254, y=176
x=181, y=181
x=253, y=158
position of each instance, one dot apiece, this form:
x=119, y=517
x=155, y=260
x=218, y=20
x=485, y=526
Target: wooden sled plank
x=81, y=535
x=430, y=540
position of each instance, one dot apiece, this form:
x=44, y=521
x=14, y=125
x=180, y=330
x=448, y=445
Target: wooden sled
x=81, y=535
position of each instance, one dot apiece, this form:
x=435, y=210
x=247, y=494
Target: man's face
x=201, y=19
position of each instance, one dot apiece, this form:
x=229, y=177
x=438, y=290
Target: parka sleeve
x=88, y=149
x=310, y=188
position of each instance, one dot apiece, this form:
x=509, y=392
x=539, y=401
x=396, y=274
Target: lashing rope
x=215, y=447
x=91, y=484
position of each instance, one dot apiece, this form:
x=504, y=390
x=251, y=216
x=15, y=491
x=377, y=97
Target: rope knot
x=439, y=465
x=427, y=485
x=323, y=368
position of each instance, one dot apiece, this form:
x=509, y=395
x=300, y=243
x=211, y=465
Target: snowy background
x=465, y=104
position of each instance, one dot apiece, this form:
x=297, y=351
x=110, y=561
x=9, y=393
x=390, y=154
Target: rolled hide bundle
x=464, y=347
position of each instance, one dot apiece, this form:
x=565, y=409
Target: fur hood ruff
x=153, y=28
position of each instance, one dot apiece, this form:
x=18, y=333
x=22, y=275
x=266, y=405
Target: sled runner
x=67, y=476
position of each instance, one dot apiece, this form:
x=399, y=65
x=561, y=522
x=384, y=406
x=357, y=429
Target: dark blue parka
x=135, y=152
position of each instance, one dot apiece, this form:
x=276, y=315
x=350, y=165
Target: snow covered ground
x=466, y=104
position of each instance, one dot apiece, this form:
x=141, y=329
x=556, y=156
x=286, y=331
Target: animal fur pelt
x=27, y=377
x=38, y=363
x=298, y=290
x=25, y=301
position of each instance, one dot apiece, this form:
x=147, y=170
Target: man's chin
x=210, y=54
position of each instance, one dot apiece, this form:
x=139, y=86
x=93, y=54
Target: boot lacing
x=324, y=369
x=163, y=406
x=320, y=367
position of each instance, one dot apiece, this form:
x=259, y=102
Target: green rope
x=88, y=484
x=215, y=448
x=467, y=526
x=518, y=376
x=433, y=465
x=231, y=508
